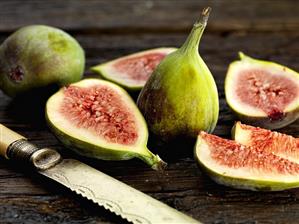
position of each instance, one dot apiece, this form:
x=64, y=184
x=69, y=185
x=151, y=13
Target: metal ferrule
x=26, y=152
x=21, y=150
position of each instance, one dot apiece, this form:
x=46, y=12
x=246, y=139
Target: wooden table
x=109, y=29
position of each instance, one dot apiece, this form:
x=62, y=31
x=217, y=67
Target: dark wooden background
x=266, y=29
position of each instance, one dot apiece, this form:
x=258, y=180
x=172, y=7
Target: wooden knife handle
x=7, y=137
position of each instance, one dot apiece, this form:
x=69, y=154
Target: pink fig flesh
x=277, y=143
x=234, y=155
x=100, y=109
x=262, y=93
x=132, y=71
x=269, y=92
x=246, y=167
x=139, y=67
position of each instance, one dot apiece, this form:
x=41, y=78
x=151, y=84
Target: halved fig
x=283, y=145
x=98, y=119
x=262, y=93
x=244, y=167
x=132, y=71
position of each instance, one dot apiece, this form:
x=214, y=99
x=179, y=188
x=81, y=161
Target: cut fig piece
x=280, y=144
x=132, y=71
x=262, y=93
x=244, y=167
x=98, y=119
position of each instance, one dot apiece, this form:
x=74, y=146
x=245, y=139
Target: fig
x=262, y=93
x=98, y=119
x=180, y=98
x=244, y=167
x=285, y=146
x=132, y=71
x=37, y=56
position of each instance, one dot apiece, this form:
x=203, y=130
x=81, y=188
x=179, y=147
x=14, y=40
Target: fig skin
x=37, y=56
x=266, y=122
x=180, y=98
x=289, y=116
x=247, y=184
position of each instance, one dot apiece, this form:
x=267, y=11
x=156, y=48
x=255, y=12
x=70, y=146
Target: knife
x=113, y=195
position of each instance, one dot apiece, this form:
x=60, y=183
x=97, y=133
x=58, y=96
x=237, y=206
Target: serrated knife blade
x=106, y=191
x=113, y=195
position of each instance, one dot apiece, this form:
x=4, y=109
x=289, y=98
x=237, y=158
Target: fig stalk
x=192, y=43
x=154, y=161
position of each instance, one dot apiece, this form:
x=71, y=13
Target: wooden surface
x=109, y=29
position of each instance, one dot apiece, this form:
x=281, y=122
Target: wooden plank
x=206, y=201
x=109, y=29
x=25, y=196
x=53, y=209
x=150, y=15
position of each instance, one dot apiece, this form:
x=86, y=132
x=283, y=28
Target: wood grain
x=150, y=15
x=109, y=29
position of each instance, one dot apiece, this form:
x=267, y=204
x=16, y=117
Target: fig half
x=280, y=144
x=132, y=71
x=262, y=93
x=98, y=119
x=245, y=167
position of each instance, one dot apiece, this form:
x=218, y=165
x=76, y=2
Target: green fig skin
x=180, y=98
x=247, y=184
x=37, y=56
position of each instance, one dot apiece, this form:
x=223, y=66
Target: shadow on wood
x=29, y=108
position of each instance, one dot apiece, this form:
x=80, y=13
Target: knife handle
x=7, y=137
x=16, y=147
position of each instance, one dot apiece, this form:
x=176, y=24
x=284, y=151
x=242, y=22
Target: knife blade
x=106, y=191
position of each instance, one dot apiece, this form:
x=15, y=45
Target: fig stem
x=192, y=42
x=203, y=19
x=241, y=55
x=155, y=162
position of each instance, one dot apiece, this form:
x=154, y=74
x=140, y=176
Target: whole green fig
x=180, y=98
x=37, y=56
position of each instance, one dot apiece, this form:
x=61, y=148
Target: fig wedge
x=244, y=167
x=132, y=71
x=280, y=144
